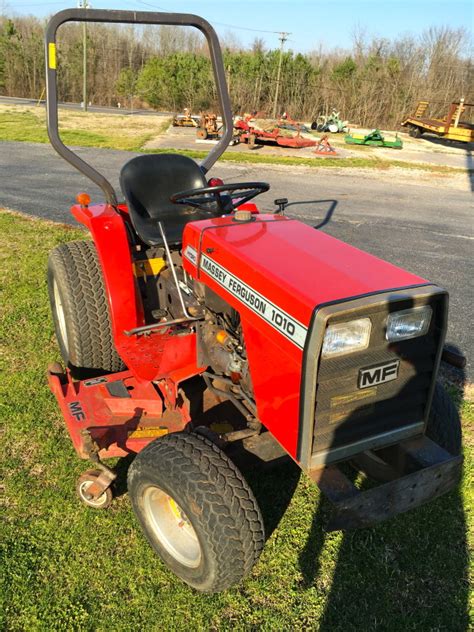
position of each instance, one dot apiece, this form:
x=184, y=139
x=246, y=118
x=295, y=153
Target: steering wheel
x=237, y=194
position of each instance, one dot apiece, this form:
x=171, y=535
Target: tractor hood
x=280, y=270
x=278, y=273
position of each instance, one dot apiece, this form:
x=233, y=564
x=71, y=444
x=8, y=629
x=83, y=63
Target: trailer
x=449, y=127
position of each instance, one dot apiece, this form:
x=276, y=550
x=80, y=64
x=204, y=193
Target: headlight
x=409, y=323
x=346, y=337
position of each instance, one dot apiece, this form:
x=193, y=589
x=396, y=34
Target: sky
x=311, y=23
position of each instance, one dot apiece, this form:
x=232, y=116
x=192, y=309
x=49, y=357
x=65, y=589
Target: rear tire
x=196, y=510
x=80, y=309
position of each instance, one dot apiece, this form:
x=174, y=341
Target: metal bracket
x=103, y=482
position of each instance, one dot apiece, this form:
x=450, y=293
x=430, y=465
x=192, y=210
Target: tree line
x=375, y=83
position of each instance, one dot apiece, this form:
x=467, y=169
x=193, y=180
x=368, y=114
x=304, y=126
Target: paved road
x=77, y=106
x=424, y=229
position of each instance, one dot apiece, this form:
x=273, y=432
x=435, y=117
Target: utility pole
x=84, y=4
x=283, y=37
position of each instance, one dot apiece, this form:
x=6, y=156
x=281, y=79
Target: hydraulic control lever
x=282, y=204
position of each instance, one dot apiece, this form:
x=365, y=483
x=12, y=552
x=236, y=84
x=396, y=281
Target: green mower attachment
x=374, y=138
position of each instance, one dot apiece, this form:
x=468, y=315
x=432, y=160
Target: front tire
x=444, y=423
x=196, y=510
x=80, y=309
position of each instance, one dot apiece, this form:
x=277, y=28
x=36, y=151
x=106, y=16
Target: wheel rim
x=172, y=527
x=60, y=315
x=93, y=502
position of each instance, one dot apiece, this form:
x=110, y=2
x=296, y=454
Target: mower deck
x=374, y=138
x=112, y=415
x=115, y=415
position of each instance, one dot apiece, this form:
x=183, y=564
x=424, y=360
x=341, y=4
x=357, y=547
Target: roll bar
x=129, y=17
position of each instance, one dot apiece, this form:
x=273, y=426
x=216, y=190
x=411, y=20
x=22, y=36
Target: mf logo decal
x=76, y=411
x=191, y=254
x=271, y=313
x=378, y=374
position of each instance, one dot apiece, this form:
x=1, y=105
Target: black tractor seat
x=147, y=183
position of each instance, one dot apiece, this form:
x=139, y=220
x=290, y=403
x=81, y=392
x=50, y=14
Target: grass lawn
x=67, y=567
x=131, y=133
x=112, y=131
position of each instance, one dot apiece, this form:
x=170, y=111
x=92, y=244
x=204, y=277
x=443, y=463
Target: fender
x=148, y=357
x=108, y=231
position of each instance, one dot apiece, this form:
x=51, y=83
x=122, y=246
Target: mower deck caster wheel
x=84, y=483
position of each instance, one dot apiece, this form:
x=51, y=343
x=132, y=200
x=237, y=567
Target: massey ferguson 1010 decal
x=271, y=313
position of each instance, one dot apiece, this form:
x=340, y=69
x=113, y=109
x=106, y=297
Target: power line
x=245, y=28
x=230, y=26
x=155, y=6
x=152, y=6
x=36, y=4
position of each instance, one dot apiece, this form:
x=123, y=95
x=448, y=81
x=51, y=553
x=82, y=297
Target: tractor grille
x=344, y=413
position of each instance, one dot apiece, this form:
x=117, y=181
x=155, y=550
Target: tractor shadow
x=470, y=166
x=409, y=572
x=331, y=207
x=273, y=484
x=467, y=147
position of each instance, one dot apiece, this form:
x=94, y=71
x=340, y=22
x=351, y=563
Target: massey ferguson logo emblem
x=76, y=411
x=378, y=374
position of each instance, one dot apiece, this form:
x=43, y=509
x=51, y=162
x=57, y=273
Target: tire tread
x=77, y=268
x=229, y=509
x=444, y=425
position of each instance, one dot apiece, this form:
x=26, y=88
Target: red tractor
x=187, y=296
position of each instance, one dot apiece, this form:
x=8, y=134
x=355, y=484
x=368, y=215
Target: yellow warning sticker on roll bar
x=52, y=55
